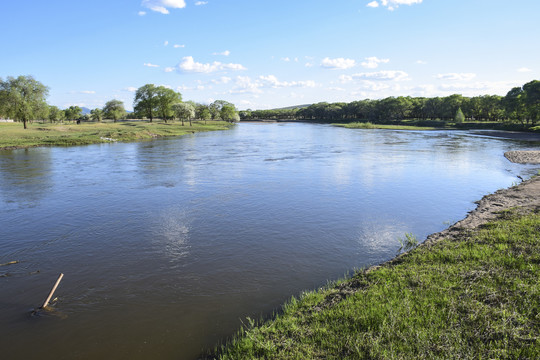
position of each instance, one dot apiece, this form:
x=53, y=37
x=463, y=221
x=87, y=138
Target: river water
x=167, y=246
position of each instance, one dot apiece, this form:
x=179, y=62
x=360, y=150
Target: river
x=167, y=246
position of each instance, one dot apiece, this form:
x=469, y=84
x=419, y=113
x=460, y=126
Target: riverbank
x=368, y=125
x=13, y=136
x=470, y=291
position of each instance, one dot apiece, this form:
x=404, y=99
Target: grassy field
x=475, y=296
x=12, y=135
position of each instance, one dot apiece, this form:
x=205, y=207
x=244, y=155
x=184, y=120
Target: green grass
x=475, y=296
x=368, y=125
x=12, y=135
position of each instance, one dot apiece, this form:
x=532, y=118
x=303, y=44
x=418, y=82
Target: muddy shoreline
x=525, y=197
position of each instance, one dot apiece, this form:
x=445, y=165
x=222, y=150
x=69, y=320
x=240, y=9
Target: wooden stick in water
x=52, y=291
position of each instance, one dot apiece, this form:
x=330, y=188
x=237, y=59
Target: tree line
x=520, y=105
x=24, y=99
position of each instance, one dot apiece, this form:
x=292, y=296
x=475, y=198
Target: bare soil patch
x=523, y=157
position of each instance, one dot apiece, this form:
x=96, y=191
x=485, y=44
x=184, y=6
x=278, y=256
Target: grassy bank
x=474, y=295
x=12, y=135
x=368, y=125
x=439, y=125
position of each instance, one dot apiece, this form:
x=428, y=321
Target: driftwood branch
x=52, y=291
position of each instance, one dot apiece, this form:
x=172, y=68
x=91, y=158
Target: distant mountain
x=85, y=111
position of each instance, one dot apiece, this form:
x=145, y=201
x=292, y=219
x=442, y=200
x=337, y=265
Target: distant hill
x=294, y=107
x=85, y=110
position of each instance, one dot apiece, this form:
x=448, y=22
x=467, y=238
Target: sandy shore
x=523, y=157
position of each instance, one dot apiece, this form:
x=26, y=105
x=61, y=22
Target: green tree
x=459, y=117
x=73, y=113
x=96, y=115
x=146, y=101
x=229, y=113
x=23, y=98
x=215, y=108
x=514, y=105
x=114, y=109
x=165, y=99
x=55, y=114
x=202, y=112
x=532, y=100
x=184, y=111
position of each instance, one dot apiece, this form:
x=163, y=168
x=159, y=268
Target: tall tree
x=96, y=115
x=23, y=98
x=229, y=113
x=514, y=104
x=73, y=113
x=146, y=101
x=459, y=117
x=184, y=111
x=55, y=114
x=165, y=98
x=114, y=109
x=203, y=112
x=215, y=108
x=532, y=100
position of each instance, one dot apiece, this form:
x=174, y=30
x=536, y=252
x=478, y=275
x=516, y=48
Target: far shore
x=14, y=136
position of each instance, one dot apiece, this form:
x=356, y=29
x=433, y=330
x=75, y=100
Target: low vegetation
x=13, y=135
x=473, y=296
x=369, y=125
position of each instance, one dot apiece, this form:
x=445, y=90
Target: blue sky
x=262, y=54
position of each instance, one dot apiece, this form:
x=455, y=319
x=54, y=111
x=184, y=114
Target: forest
x=520, y=106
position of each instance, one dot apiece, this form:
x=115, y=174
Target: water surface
x=168, y=245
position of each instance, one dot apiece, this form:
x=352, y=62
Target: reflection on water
x=167, y=245
x=25, y=176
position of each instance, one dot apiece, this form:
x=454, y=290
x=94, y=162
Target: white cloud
x=374, y=86
x=244, y=84
x=524, y=70
x=189, y=65
x=456, y=76
x=286, y=59
x=345, y=79
x=308, y=65
x=130, y=89
x=393, y=4
x=339, y=63
x=88, y=92
x=421, y=62
x=142, y=13
x=272, y=81
x=169, y=69
x=166, y=43
x=150, y=65
x=222, y=80
x=162, y=6
x=176, y=46
x=373, y=62
x=396, y=75
x=199, y=3
x=478, y=88
x=223, y=53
